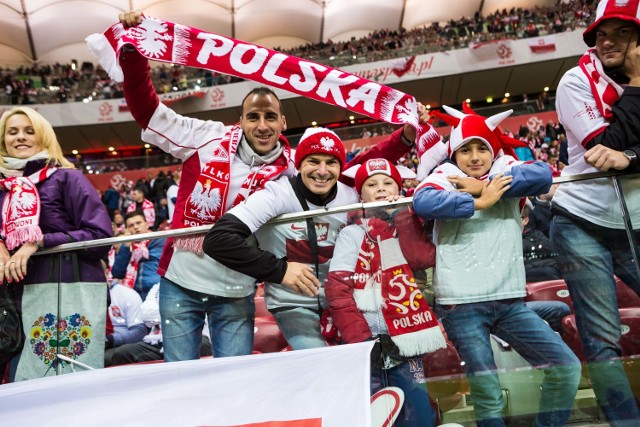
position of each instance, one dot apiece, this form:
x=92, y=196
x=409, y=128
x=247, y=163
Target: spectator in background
x=111, y=199
x=540, y=211
x=159, y=188
x=162, y=215
x=524, y=154
x=136, y=263
x=172, y=194
x=118, y=222
x=539, y=259
x=126, y=318
x=143, y=205
x=597, y=103
x=150, y=347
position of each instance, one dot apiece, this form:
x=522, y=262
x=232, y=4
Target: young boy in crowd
x=479, y=281
x=372, y=292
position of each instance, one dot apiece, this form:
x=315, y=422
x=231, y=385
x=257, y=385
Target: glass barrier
x=507, y=349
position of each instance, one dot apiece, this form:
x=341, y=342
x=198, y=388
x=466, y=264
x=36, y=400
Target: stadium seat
x=267, y=337
x=629, y=341
x=626, y=296
x=261, y=308
x=550, y=290
x=446, y=379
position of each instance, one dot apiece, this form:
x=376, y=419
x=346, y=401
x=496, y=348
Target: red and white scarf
x=384, y=281
x=139, y=251
x=21, y=208
x=605, y=91
x=208, y=200
x=169, y=42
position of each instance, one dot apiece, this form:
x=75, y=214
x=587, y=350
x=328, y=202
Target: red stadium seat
x=626, y=296
x=629, y=341
x=261, y=308
x=267, y=337
x=446, y=379
x=570, y=335
x=550, y=290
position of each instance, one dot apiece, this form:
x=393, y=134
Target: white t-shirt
x=593, y=200
x=291, y=239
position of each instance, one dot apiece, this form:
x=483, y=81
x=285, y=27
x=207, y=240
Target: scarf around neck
x=208, y=200
x=605, y=91
x=21, y=207
x=386, y=283
x=139, y=251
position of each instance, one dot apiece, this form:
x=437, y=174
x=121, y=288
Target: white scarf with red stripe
x=605, y=91
x=389, y=286
x=21, y=208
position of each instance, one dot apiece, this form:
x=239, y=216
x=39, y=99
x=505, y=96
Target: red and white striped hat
x=627, y=10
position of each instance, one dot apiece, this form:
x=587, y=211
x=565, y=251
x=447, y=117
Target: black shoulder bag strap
x=311, y=233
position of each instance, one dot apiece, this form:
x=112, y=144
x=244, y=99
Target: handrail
x=287, y=218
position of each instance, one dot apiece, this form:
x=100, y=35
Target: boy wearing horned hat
x=479, y=281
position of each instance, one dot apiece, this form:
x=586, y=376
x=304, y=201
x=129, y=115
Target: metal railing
x=303, y=215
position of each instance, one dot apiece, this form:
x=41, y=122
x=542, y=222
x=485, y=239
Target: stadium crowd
x=51, y=83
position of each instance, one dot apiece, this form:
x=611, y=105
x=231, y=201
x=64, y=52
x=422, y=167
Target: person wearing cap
x=285, y=260
x=479, y=282
x=598, y=103
x=221, y=166
x=372, y=294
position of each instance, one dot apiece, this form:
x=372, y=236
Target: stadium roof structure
x=49, y=31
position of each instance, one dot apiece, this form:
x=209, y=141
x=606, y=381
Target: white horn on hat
x=453, y=112
x=493, y=121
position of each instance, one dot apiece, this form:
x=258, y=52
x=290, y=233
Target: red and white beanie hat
x=320, y=141
x=360, y=173
x=627, y=10
x=472, y=126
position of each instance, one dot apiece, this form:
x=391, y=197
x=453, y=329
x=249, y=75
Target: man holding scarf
x=222, y=166
x=598, y=103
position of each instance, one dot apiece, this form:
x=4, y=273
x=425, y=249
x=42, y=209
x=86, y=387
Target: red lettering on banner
x=308, y=422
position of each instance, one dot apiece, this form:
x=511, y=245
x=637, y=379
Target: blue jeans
x=588, y=260
x=183, y=312
x=551, y=312
x=469, y=327
x=408, y=376
x=300, y=327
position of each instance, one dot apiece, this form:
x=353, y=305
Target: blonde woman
x=46, y=202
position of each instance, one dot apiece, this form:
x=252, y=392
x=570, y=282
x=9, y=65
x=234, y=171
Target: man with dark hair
x=136, y=263
x=598, y=103
x=142, y=204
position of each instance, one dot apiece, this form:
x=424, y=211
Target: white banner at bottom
x=327, y=387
